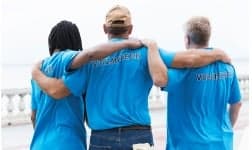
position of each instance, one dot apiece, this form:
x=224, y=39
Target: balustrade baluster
x=16, y=102
x=21, y=104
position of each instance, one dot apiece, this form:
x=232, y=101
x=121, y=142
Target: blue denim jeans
x=119, y=139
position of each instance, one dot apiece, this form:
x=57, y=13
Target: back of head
x=64, y=35
x=118, y=20
x=198, y=30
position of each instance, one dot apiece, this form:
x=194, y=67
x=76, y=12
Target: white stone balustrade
x=16, y=102
x=15, y=106
x=244, y=86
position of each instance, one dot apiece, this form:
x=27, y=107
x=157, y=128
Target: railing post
x=21, y=105
x=10, y=107
x=17, y=110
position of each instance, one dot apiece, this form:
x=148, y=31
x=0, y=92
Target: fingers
x=136, y=43
x=148, y=42
x=38, y=64
x=133, y=43
x=225, y=57
x=227, y=60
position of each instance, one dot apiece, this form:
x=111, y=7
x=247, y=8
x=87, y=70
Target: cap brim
x=117, y=25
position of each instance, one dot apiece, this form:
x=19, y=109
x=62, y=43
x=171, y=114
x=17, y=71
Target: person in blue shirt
x=59, y=125
x=203, y=103
x=116, y=88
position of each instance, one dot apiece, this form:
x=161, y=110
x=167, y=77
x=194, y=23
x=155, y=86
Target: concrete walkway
x=241, y=130
x=19, y=137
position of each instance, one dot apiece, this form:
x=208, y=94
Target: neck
x=122, y=36
x=56, y=50
x=195, y=46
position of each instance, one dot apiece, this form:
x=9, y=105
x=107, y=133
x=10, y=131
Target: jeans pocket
x=139, y=137
x=99, y=147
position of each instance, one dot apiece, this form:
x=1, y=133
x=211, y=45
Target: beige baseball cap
x=118, y=16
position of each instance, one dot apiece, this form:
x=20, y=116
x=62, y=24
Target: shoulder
x=139, y=53
x=55, y=58
x=229, y=67
x=142, y=49
x=69, y=53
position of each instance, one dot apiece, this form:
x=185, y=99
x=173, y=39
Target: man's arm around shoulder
x=52, y=86
x=157, y=68
x=198, y=57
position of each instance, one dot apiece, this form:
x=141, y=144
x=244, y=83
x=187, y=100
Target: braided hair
x=64, y=35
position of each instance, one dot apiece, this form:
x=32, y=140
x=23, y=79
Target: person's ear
x=130, y=29
x=187, y=41
x=105, y=29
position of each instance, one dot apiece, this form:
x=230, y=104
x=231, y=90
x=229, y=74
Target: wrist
x=126, y=43
x=152, y=47
x=217, y=55
x=34, y=74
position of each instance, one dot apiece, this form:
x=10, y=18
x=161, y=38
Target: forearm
x=52, y=86
x=234, y=112
x=198, y=58
x=203, y=57
x=97, y=52
x=157, y=68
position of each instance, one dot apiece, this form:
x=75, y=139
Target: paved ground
x=19, y=137
x=241, y=131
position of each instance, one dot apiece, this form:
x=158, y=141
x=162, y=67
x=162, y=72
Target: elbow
x=238, y=105
x=58, y=90
x=32, y=118
x=55, y=94
x=91, y=55
x=160, y=81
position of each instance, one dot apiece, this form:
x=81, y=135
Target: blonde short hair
x=198, y=29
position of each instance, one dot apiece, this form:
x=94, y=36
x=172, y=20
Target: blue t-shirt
x=197, y=114
x=117, y=88
x=59, y=124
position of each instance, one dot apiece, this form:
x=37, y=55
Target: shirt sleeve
x=175, y=78
x=167, y=57
x=35, y=94
x=76, y=81
x=235, y=91
x=67, y=59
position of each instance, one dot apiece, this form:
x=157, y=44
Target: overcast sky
x=27, y=23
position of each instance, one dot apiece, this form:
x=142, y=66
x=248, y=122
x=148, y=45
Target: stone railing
x=15, y=105
x=244, y=86
x=16, y=102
